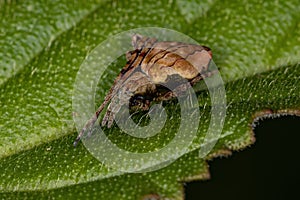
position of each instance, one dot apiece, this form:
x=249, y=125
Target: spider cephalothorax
x=149, y=66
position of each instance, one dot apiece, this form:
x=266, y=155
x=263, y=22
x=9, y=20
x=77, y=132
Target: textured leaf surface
x=255, y=45
x=28, y=28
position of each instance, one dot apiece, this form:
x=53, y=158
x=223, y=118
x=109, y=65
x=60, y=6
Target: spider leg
x=178, y=91
x=92, y=121
x=137, y=83
x=121, y=78
x=202, y=76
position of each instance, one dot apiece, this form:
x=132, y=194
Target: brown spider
x=150, y=65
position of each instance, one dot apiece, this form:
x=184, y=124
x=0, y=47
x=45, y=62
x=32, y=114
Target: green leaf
x=255, y=45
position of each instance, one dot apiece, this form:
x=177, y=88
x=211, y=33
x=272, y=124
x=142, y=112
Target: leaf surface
x=255, y=45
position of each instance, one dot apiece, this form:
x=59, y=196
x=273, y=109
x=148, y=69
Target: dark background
x=269, y=169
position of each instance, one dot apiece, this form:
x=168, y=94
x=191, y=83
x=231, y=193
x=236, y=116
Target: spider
x=149, y=66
